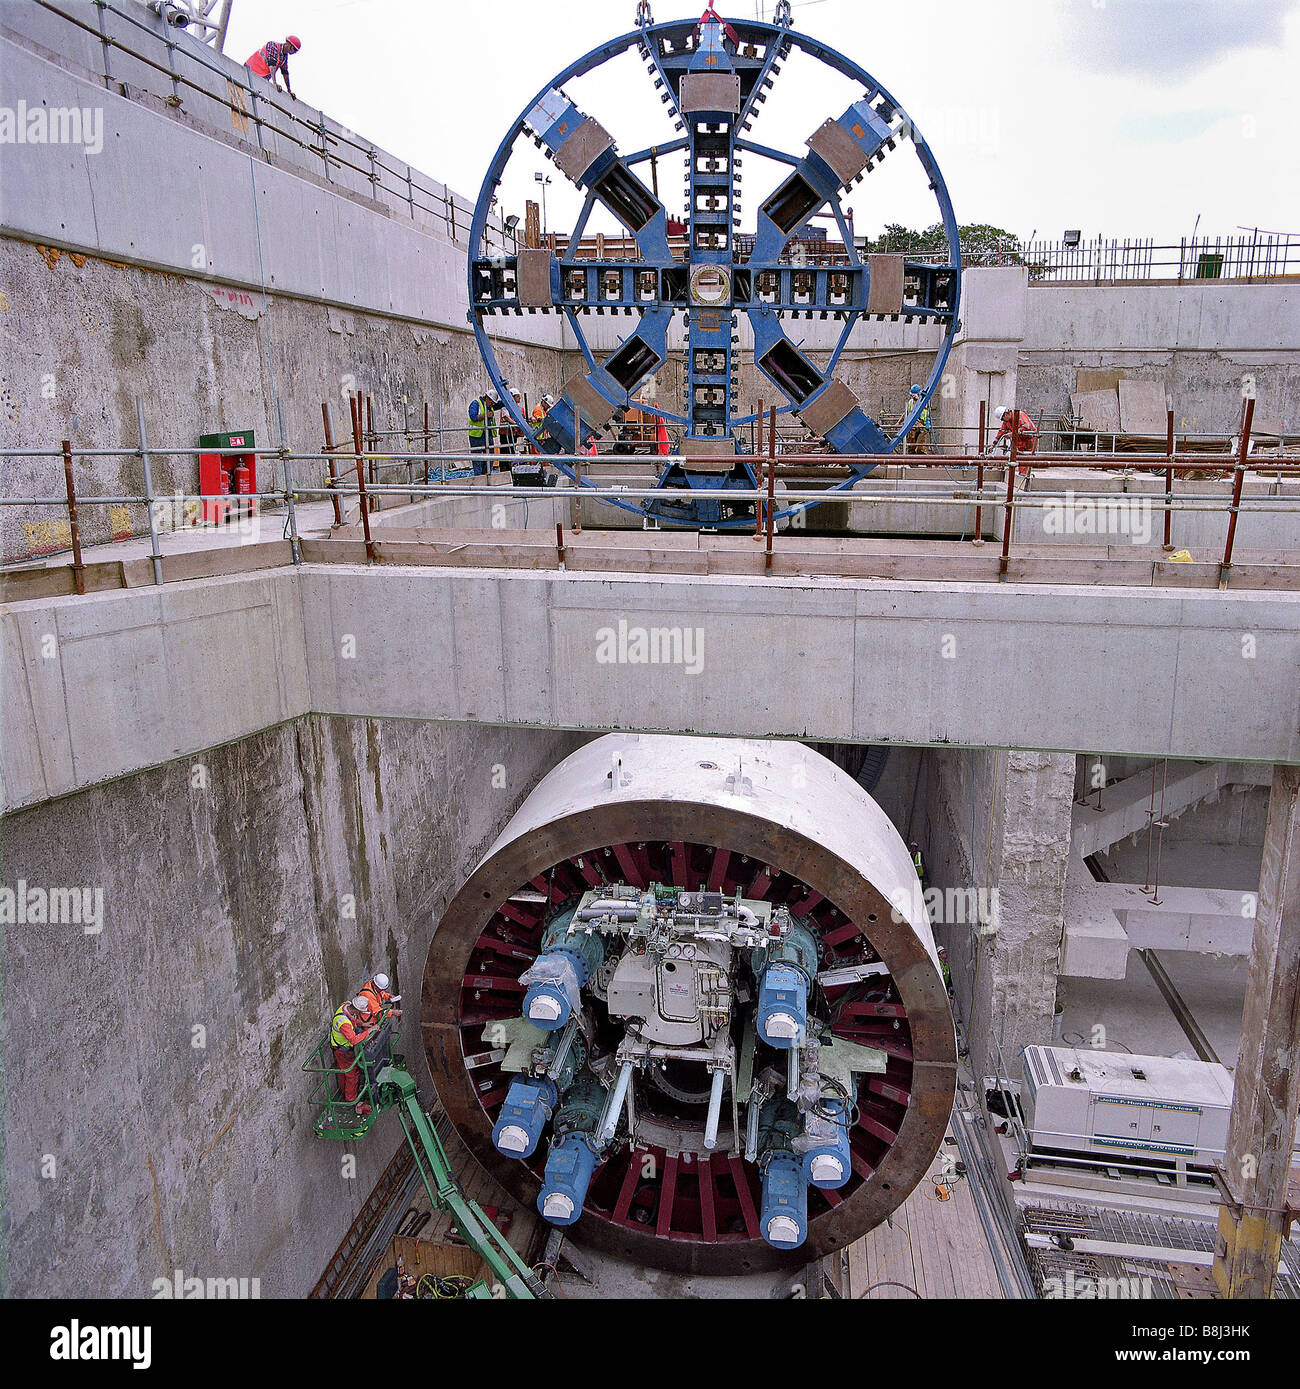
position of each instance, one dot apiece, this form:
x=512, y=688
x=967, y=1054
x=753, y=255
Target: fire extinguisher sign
x=236, y=441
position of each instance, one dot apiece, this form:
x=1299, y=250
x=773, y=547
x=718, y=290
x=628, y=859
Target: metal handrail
x=970, y=492
x=1263, y=256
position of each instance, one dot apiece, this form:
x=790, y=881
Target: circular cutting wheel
x=781, y=825
x=713, y=77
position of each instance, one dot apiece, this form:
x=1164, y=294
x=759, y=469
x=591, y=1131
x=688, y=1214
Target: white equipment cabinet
x=1114, y=1105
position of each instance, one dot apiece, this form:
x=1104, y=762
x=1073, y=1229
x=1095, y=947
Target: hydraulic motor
x=555, y=979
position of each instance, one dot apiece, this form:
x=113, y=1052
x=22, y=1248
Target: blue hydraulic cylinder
x=783, y=1219
x=783, y=1006
x=529, y=1105
x=828, y=1163
x=574, y=1152
x=554, y=990
x=556, y=976
x=785, y=971
x=568, y=1175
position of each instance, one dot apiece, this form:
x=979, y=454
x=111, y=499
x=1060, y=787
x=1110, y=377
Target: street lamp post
x=543, y=179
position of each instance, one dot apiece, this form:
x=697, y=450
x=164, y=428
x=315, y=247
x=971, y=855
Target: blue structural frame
x=712, y=75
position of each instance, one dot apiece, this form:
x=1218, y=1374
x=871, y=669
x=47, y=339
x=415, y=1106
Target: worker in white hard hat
x=351, y=1026
x=378, y=999
x=1018, y=423
x=945, y=969
x=508, y=431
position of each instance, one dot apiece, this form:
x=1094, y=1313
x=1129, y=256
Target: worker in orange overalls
x=351, y=1026
x=272, y=59
x=375, y=992
x=1026, y=432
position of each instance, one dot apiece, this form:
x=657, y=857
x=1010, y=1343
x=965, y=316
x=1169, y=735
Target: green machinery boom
x=385, y=1083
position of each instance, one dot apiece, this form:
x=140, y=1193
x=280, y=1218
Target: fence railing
x=1261, y=256
x=358, y=482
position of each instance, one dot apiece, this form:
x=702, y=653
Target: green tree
x=981, y=244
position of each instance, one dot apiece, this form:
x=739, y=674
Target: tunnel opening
x=661, y=1191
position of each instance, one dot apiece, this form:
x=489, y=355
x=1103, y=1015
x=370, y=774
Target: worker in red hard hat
x=1018, y=423
x=375, y=992
x=272, y=59
x=351, y=1026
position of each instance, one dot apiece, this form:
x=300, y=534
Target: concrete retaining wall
x=155, y=1110
x=1200, y=340
x=86, y=336
x=101, y=686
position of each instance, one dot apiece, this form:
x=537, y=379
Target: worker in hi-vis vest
x=350, y=1028
x=272, y=59
x=375, y=992
x=920, y=438
x=482, y=431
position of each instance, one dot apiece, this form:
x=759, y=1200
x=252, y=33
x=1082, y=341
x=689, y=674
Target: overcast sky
x=1119, y=117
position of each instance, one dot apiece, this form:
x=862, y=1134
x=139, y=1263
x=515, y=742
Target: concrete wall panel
x=1051, y=667
x=247, y=907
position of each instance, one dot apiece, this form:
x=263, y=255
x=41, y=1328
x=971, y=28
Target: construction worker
x=351, y=1026
x=1018, y=423
x=481, y=431
x=591, y=445
x=375, y=992
x=511, y=434
x=920, y=438
x=917, y=861
x=540, y=412
x=946, y=970
x=272, y=59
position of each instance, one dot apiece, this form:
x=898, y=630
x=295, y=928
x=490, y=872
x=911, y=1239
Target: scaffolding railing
x=966, y=483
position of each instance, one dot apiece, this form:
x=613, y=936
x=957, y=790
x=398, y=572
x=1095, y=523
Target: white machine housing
x=1117, y=1105
x=682, y=998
